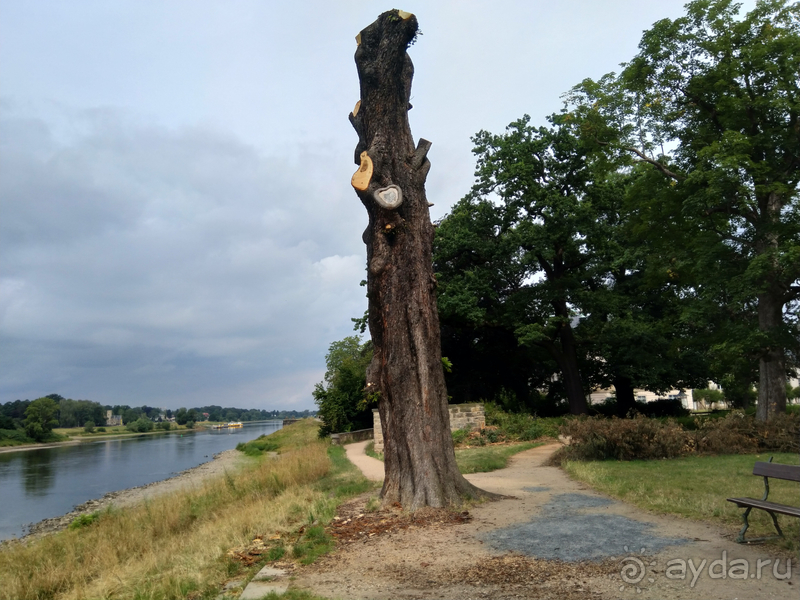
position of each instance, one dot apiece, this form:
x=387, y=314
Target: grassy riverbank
x=177, y=545
x=696, y=487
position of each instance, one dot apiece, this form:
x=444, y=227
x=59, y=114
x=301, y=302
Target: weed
x=373, y=504
x=84, y=520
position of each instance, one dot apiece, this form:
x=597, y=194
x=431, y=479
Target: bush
x=165, y=425
x=89, y=427
x=641, y=438
x=84, y=520
x=520, y=426
x=101, y=430
x=15, y=435
x=140, y=425
x=189, y=424
x=258, y=446
x=460, y=436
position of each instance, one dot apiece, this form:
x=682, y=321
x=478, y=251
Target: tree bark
x=623, y=388
x=771, y=363
x=406, y=370
x=567, y=359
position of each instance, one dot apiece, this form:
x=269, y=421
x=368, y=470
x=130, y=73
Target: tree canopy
x=341, y=397
x=712, y=104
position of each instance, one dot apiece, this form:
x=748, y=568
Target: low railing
x=348, y=437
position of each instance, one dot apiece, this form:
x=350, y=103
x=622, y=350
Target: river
x=49, y=482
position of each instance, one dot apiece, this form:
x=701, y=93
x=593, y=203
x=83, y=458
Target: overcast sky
x=177, y=225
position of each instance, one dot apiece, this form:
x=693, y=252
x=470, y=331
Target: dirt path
x=372, y=468
x=555, y=538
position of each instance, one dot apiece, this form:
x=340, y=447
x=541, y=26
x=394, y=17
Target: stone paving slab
x=256, y=590
x=269, y=572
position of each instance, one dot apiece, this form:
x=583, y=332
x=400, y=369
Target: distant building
x=685, y=396
x=113, y=420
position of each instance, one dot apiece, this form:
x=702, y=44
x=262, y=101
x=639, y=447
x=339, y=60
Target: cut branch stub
x=389, y=197
x=363, y=176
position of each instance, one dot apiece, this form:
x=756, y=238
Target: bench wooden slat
x=788, y=472
x=781, y=509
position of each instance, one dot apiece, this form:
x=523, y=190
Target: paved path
x=371, y=467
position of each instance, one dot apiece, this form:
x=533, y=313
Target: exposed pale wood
x=363, y=176
x=404, y=15
x=389, y=197
x=355, y=110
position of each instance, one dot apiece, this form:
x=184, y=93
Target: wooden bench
x=767, y=470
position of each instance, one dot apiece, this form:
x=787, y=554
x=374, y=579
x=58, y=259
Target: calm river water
x=45, y=483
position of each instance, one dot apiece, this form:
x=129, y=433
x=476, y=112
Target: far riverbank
x=94, y=438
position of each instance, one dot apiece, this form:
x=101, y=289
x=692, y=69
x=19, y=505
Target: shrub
x=519, y=426
x=16, y=435
x=89, y=427
x=460, y=436
x=140, y=425
x=84, y=520
x=165, y=425
x=258, y=446
x=663, y=407
x=596, y=438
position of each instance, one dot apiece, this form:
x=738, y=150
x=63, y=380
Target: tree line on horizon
x=647, y=236
x=54, y=410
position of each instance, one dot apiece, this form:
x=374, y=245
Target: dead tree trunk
x=406, y=371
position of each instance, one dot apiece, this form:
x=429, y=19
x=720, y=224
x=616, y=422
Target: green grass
x=488, y=458
x=477, y=459
x=696, y=487
x=258, y=446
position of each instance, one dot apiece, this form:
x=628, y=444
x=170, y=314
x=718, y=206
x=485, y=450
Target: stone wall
x=348, y=437
x=462, y=416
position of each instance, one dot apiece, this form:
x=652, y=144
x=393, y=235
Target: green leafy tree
x=342, y=397
x=181, y=416
x=712, y=103
x=41, y=417
x=542, y=178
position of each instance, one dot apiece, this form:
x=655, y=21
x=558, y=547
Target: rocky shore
x=222, y=461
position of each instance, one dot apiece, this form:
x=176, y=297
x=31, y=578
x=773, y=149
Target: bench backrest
x=788, y=472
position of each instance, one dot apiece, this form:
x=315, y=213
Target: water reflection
x=38, y=473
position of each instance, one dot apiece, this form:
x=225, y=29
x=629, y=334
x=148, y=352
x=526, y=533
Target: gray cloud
x=135, y=257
